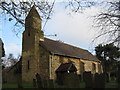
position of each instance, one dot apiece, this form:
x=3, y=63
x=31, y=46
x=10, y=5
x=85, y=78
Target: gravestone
x=39, y=81
x=107, y=77
x=71, y=80
x=80, y=78
x=88, y=79
x=59, y=79
x=34, y=83
x=99, y=81
x=50, y=84
x=45, y=83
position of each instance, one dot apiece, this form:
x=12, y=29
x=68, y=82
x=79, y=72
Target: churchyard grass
x=111, y=84
x=9, y=85
x=14, y=85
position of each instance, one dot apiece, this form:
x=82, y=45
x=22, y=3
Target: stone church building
x=45, y=56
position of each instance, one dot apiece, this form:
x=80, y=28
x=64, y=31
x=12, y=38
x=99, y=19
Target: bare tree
x=78, y=6
x=108, y=22
x=19, y=9
x=9, y=61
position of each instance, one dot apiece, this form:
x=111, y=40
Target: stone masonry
x=36, y=58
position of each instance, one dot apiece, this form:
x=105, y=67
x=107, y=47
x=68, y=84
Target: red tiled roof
x=60, y=48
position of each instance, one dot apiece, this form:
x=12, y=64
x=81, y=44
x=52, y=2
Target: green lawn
x=30, y=85
x=14, y=85
x=9, y=85
x=111, y=84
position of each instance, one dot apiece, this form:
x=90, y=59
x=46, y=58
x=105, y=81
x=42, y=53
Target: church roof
x=64, y=67
x=63, y=49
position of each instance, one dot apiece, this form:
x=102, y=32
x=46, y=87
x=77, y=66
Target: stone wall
x=44, y=63
x=55, y=62
x=30, y=46
x=89, y=67
x=36, y=65
x=29, y=57
x=9, y=76
x=29, y=74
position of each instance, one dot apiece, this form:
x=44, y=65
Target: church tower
x=30, y=45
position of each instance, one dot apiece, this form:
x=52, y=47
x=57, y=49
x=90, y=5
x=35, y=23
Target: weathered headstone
x=71, y=80
x=59, y=79
x=50, y=84
x=34, y=83
x=99, y=81
x=88, y=79
x=39, y=81
x=45, y=83
x=107, y=77
x=80, y=78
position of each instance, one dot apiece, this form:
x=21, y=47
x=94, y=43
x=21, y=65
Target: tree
x=2, y=52
x=19, y=9
x=108, y=54
x=108, y=22
x=9, y=61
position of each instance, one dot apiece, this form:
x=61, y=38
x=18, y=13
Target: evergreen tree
x=109, y=55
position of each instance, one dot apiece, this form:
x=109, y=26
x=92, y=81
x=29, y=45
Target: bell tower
x=30, y=45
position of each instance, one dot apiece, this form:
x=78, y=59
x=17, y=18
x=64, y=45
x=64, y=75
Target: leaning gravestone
x=39, y=81
x=71, y=80
x=99, y=81
x=87, y=77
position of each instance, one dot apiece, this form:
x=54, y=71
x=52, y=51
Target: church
x=44, y=56
x=47, y=57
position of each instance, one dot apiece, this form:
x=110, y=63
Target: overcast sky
x=74, y=29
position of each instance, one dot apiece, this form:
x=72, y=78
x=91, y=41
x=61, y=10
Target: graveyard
x=72, y=81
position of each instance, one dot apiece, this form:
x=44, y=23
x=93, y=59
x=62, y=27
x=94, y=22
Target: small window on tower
x=28, y=65
x=28, y=33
